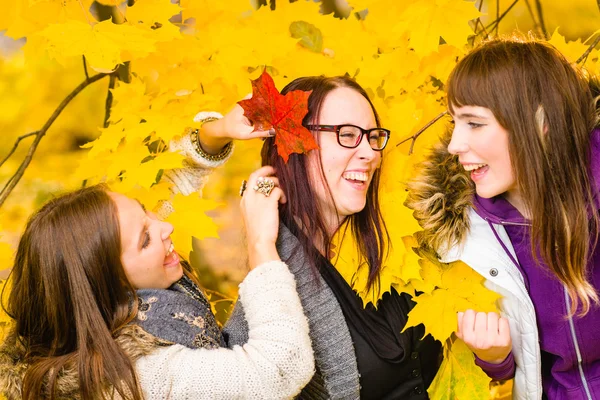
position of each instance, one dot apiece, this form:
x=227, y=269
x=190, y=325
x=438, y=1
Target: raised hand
x=486, y=334
x=233, y=126
x=260, y=211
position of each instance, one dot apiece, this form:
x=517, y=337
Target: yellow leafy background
x=200, y=55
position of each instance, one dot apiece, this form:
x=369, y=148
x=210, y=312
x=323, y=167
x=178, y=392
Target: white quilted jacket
x=482, y=252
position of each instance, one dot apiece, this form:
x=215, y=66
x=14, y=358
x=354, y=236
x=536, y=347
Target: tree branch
x=589, y=49
x=495, y=23
x=538, y=5
x=109, y=99
x=14, y=180
x=420, y=131
x=87, y=76
x=497, y=16
x=16, y=145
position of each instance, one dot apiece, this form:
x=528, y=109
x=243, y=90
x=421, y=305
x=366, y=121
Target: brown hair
x=70, y=295
x=367, y=226
x=546, y=105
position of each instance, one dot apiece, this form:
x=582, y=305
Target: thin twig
x=87, y=76
x=16, y=145
x=532, y=15
x=478, y=21
x=587, y=52
x=497, y=15
x=420, y=131
x=14, y=180
x=538, y=5
x=109, y=99
x=501, y=17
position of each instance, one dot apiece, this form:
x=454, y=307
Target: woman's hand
x=486, y=334
x=261, y=217
x=234, y=125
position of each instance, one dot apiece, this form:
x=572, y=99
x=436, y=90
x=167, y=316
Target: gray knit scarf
x=180, y=314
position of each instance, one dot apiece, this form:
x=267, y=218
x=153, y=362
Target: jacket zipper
x=571, y=326
x=574, y=337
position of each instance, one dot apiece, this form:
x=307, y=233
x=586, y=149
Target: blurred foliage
x=200, y=55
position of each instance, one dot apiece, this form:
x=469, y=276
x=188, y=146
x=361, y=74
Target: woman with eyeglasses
x=359, y=352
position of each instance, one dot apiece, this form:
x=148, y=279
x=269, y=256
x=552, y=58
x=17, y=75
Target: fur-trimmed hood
x=441, y=194
x=133, y=340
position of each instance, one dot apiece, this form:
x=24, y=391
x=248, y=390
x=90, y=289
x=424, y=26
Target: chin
x=487, y=193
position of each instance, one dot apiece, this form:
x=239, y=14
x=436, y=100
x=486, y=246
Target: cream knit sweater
x=275, y=363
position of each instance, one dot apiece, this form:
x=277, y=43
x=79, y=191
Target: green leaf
x=310, y=36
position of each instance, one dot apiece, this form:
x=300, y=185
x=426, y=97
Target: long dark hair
x=70, y=295
x=367, y=226
x=547, y=108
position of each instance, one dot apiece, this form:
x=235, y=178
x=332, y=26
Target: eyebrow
x=469, y=115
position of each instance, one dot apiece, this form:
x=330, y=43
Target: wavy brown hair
x=367, y=226
x=546, y=105
x=70, y=296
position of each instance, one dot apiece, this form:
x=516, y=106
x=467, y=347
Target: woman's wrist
x=261, y=253
x=211, y=137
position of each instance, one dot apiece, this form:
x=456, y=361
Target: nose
x=459, y=143
x=166, y=229
x=364, y=149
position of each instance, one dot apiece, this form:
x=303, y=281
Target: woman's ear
x=540, y=121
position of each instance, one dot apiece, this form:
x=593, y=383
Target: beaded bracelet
x=196, y=143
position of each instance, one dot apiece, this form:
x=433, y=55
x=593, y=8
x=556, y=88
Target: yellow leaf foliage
x=448, y=289
x=459, y=377
x=200, y=56
x=190, y=220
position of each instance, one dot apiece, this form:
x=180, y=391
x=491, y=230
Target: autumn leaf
x=104, y=45
x=190, y=219
x=456, y=287
x=459, y=377
x=269, y=108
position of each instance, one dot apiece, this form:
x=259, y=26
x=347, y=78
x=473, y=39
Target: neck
x=514, y=197
x=332, y=225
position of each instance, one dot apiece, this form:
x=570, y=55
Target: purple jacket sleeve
x=498, y=372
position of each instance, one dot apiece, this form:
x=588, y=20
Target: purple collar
x=498, y=210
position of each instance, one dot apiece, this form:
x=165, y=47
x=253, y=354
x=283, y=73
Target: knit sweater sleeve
x=192, y=176
x=276, y=362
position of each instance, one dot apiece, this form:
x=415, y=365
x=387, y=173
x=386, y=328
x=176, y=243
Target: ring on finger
x=243, y=187
x=264, y=186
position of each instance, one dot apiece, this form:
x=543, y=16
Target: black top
x=392, y=365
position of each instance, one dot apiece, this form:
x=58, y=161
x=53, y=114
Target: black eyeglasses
x=350, y=136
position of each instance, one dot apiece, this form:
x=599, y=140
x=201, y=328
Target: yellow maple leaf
x=571, y=50
x=458, y=376
x=459, y=288
x=190, y=220
x=151, y=11
x=150, y=198
x=24, y=18
x=428, y=21
x=104, y=44
x=145, y=173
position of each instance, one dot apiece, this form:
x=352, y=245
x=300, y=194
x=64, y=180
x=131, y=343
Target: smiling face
x=347, y=172
x=481, y=144
x=147, y=250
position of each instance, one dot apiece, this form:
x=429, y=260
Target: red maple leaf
x=270, y=109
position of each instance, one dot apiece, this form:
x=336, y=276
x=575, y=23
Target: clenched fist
x=486, y=334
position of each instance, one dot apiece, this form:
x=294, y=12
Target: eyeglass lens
x=350, y=136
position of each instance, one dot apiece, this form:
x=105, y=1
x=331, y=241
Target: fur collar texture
x=441, y=194
x=132, y=339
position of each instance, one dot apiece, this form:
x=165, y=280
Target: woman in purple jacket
x=514, y=193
